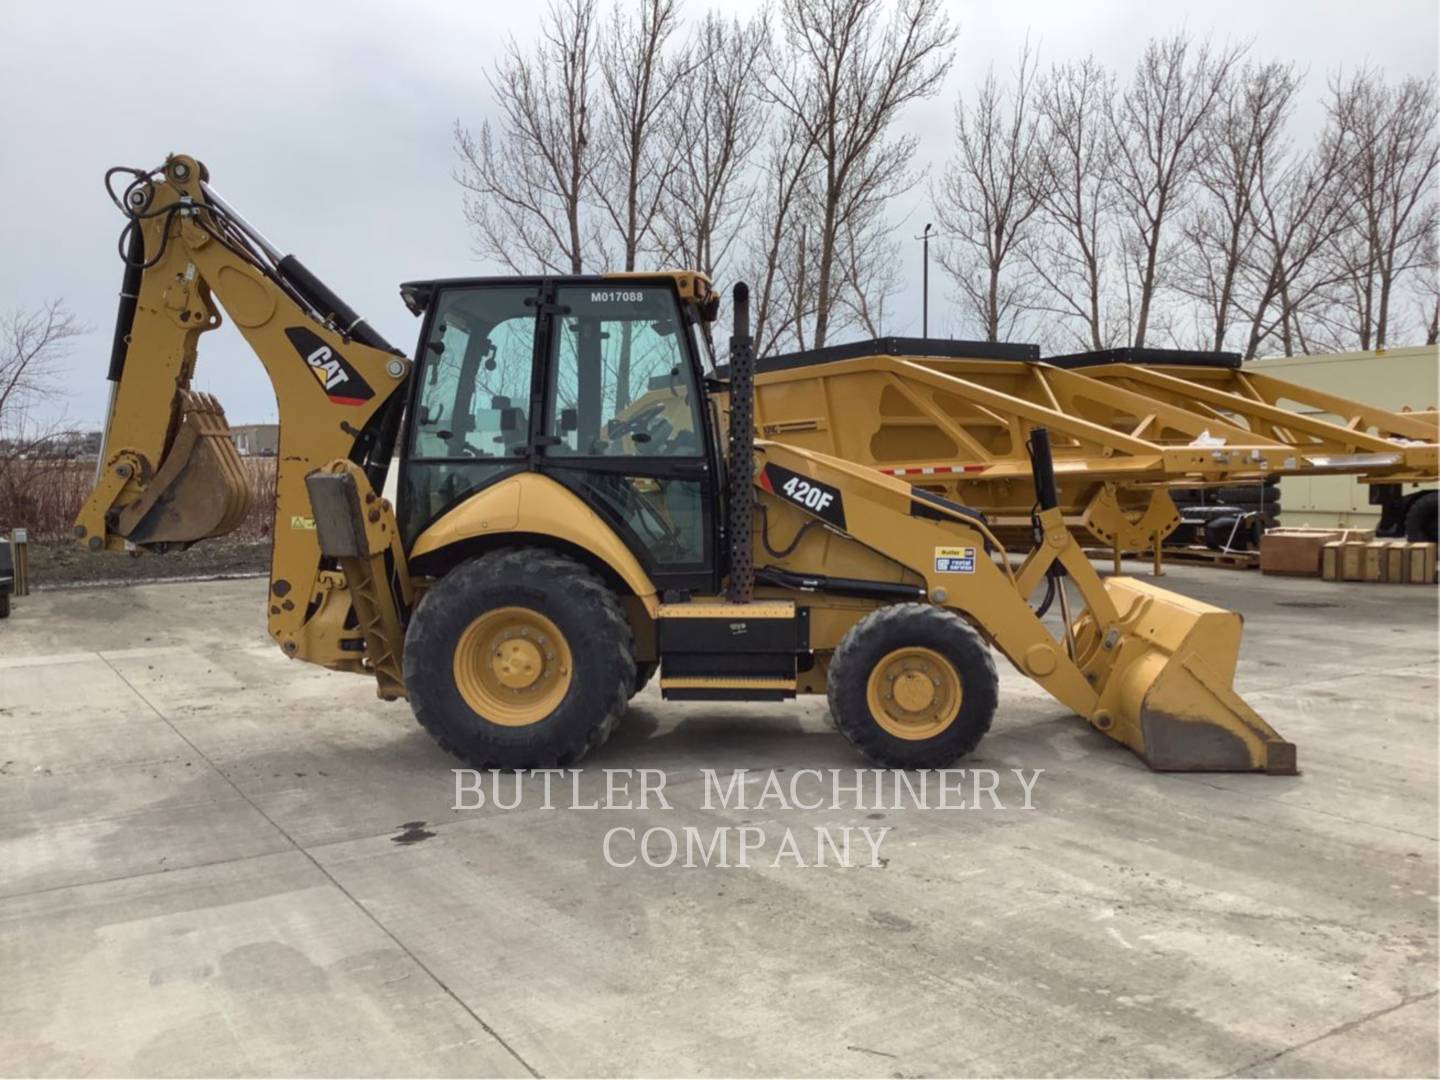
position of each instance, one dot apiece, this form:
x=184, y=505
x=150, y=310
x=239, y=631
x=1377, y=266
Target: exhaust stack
x=741, y=472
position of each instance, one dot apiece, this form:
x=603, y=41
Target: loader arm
x=169, y=474
x=1145, y=666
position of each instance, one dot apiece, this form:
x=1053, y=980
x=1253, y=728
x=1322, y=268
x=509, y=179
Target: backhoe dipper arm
x=169, y=473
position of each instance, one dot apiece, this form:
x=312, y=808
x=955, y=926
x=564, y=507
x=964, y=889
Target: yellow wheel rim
x=513, y=666
x=914, y=693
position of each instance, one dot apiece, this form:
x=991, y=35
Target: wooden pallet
x=1188, y=555
x=1195, y=555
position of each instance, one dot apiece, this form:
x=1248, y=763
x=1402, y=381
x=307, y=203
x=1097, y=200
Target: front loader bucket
x=1165, y=673
x=201, y=488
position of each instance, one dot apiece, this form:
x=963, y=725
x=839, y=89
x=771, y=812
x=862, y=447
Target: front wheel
x=519, y=660
x=913, y=687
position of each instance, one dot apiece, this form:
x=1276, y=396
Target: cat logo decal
x=341, y=382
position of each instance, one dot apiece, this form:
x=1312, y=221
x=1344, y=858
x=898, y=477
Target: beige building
x=1393, y=379
x=256, y=440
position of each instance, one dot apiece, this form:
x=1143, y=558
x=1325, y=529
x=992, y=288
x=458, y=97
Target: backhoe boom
x=169, y=474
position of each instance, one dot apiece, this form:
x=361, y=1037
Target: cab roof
x=693, y=286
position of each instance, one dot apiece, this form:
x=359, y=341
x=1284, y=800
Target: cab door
x=469, y=423
x=623, y=424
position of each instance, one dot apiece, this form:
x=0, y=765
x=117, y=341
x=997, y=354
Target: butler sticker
x=954, y=560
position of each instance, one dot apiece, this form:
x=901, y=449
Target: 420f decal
x=343, y=384
x=822, y=500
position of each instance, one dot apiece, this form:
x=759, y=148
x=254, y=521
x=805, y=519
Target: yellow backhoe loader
x=574, y=511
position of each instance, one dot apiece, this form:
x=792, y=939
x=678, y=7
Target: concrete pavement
x=214, y=860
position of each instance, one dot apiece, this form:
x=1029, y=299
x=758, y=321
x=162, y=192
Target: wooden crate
x=1420, y=564
x=1299, y=552
x=1375, y=561
x=1395, y=562
x=1343, y=560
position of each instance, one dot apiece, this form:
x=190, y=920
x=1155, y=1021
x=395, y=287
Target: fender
x=533, y=503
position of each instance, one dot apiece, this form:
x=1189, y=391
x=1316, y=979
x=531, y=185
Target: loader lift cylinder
x=741, y=471
x=1042, y=464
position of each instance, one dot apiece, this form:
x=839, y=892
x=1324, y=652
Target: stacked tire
x=1229, y=518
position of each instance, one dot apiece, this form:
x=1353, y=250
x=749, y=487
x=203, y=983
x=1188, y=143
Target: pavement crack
x=1196, y=778
x=1338, y=1029
x=877, y=1053
x=395, y=940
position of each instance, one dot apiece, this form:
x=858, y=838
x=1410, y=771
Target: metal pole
x=925, y=304
x=924, y=238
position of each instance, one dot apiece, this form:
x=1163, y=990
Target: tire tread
x=581, y=589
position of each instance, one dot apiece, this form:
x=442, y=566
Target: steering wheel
x=642, y=423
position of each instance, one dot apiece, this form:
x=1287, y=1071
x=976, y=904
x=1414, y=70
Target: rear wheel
x=519, y=660
x=913, y=687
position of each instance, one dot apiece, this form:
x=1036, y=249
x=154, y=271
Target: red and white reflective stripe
x=934, y=470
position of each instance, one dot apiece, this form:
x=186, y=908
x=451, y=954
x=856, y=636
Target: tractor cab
x=596, y=382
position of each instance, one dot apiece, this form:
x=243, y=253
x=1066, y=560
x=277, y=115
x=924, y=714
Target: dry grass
x=44, y=495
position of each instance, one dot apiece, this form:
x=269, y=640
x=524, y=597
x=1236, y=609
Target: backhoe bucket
x=1165, y=673
x=201, y=488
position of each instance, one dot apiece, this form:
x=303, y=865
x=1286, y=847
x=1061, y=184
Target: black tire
x=880, y=634
x=1199, y=515
x=579, y=605
x=1249, y=495
x=644, y=672
x=1221, y=531
x=1422, y=520
x=4, y=605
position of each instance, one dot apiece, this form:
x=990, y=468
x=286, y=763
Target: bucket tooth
x=1166, y=686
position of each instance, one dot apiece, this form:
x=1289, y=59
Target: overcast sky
x=328, y=126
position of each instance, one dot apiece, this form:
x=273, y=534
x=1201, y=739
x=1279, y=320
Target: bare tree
x=1392, y=167
x=847, y=72
x=39, y=488
x=714, y=122
x=33, y=343
x=1242, y=139
x=1297, y=211
x=637, y=155
x=527, y=177
x=1157, y=121
x=779, y=255
x=870, y=258
x=988, y=197
x=1072, y=249
x=1429, y=291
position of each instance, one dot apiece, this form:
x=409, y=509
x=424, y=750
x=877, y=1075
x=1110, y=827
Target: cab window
x=621, y=382
x=476, y=377
x=469, y=425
